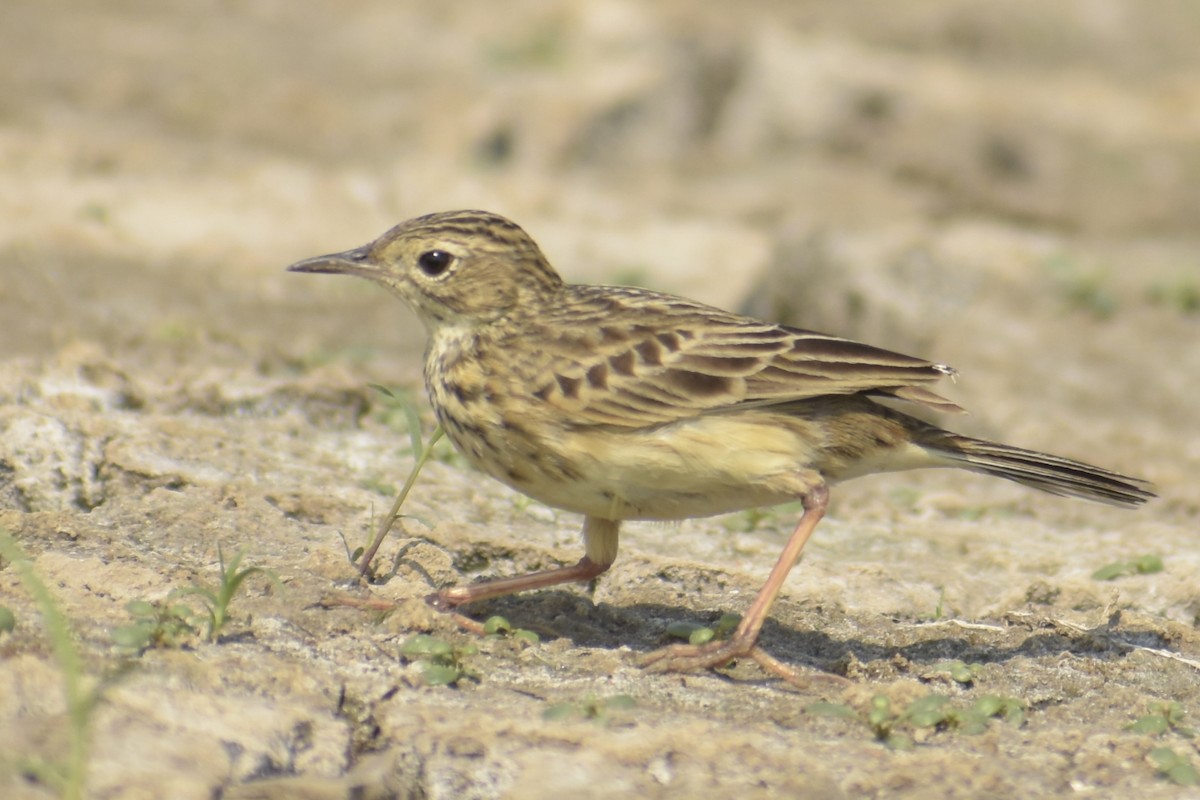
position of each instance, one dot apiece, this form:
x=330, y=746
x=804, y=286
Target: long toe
x=693, y=658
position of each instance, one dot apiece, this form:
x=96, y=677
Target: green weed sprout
x=702, y=634
x=163, y=624
x=422, y=451
x=70, y=778
x=1163, y=718
x=887, y=723
x=217, y=600
x=500, y=626
x=1179, y=769
x=443, y=663
x=1142, y=565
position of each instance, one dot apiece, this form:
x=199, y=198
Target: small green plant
x=8, y=620
x=958, y=671
x=1163, y=718
x=884, y=721
x=889, y=724
x=217, y=600
x=163, y=624
x=499, y=626
x=974, y=719
x=443, y=664
x=592, y=708
x=939, y=610
x=701, y=634
x=69, y=778
x=422, y=450
x=1179, y=769
x=1142, y=565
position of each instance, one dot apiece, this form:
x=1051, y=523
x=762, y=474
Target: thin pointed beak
x=351, y=262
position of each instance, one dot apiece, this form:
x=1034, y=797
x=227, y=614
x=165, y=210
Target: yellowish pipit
x=620, y=403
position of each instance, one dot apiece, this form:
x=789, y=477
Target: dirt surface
x=1010, y=188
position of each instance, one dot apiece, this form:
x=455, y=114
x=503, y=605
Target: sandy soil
x=1011, y=188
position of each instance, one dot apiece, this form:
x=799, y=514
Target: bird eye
x=434, y=262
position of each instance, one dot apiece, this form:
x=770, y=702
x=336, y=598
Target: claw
x=440, y=601
x=693, y=658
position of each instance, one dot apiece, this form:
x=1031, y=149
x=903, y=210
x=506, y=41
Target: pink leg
x=689, y=658
x=584, y=570
x=600, y=542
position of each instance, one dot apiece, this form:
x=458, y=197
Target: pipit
x=622, y=403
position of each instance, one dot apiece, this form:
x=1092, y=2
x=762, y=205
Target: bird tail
x=1053, y=474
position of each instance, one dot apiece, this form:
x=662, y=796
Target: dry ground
x=1011, y=188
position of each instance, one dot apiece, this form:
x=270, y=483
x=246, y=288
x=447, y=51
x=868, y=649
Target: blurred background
x=689, y=146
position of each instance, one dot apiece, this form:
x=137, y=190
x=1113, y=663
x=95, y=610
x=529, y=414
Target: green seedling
x=889, y=724
x=958, y=671
x=163, y=624
x=883, y=720
x=591, y=708
x=1143, y=565
x=1178, y=769
x=701, y=634
x=363, y=557
x=499, y=626
x=939, y=610
x=442, y=663
x=217, y=600
x=8, y=620
x=69, y=778
x=975, y=718
x=1163, y=718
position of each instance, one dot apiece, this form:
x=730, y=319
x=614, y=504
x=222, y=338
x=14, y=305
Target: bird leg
x=690, y=658
x=600, y=544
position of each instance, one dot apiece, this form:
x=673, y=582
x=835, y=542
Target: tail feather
x=1050, y=473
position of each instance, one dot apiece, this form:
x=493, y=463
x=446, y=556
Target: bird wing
x=631, y=358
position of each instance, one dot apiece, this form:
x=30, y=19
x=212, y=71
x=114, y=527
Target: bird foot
x=693, y=658
x=696, y=657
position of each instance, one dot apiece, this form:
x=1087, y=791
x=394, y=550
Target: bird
x=621, y=403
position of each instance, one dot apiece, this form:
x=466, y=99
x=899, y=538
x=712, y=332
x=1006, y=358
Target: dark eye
x=434, y=262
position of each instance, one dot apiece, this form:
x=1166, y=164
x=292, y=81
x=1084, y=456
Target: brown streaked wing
x=634, y=358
